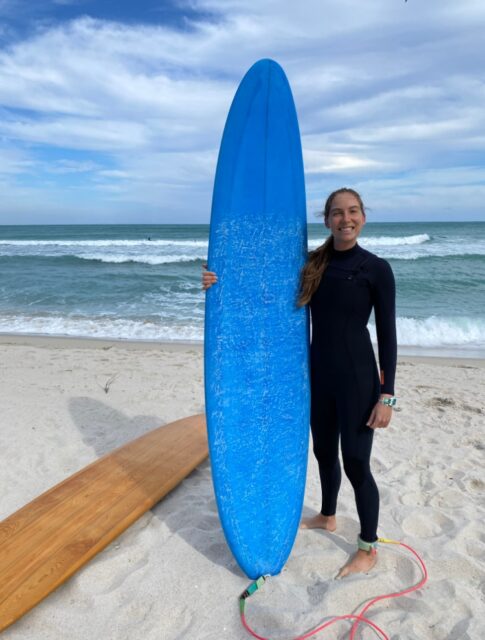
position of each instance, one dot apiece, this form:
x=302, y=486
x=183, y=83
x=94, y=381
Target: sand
x=170, y=576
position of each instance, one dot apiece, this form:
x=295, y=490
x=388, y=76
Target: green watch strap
x=390, y=402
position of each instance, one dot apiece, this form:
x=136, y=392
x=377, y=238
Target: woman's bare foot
x=329, y=523
x=361, y=562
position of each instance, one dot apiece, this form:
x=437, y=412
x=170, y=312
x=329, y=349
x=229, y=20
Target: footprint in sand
x=413, y=499
x=427, y=523
x=476, y=444
x=475, y=549
x=475, y=484
x=316, y=593
x=448, y=498
x=441, y=403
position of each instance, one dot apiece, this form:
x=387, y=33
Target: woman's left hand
x=380, y=416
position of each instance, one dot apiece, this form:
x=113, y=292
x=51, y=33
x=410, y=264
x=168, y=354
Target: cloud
x=77, y=133
x=317, y=162
x=12, y=166
x=383, y=90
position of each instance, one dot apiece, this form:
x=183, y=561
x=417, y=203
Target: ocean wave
x=143, y=259
x=133, y=244
x=475, y=252
x=383, y=241
x=107, y=328
x=389, y=241
x=413, y=249
x=457, y=252
x=437, y=331
x=431, y=332
x=105, y=243
x=114, y=258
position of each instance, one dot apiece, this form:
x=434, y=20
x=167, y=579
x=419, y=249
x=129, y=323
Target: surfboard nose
x=266, y=71
x=265, y=65
x=260, y=164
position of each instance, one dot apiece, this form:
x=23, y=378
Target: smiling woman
x=342, y=283
x=345, y=219
x=344, y=215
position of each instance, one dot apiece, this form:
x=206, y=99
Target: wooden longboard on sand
x=49, y=539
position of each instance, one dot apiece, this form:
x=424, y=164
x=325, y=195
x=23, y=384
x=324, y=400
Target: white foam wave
x=383, y=241
x=431, y=332
x=409, y=248
x=313, y=244
x=439, y=332
x=120, y=329
x=105, y=243
x=144, y=259
x=389, y=241
x=435, y=253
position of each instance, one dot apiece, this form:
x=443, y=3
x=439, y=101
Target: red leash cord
x=358, y=618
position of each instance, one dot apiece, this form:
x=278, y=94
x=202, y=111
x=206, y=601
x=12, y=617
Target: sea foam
x=382, y=241
x=439, y=332
x=108, y=328
x=140, y=259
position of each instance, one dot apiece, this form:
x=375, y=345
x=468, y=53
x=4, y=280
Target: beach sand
x=171, y=576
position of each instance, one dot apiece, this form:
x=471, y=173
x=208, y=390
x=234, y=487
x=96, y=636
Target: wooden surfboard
x=49, y=539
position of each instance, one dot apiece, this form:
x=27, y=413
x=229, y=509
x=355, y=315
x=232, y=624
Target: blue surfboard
x=256, y=338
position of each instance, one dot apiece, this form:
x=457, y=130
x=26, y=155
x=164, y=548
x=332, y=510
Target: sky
x=113, y=111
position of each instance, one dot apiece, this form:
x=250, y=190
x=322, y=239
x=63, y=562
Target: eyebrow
x=355, y=206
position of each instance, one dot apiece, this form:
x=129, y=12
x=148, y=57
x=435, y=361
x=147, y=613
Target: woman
x=342, y=283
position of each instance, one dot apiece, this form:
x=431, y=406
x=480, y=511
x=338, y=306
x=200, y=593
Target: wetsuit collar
x=347, y=253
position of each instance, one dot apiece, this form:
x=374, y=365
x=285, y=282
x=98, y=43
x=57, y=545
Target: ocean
x=142, y=282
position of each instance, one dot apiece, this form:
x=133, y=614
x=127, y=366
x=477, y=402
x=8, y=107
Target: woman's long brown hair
x=314, y=269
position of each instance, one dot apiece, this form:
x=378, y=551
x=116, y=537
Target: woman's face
x=345, y=220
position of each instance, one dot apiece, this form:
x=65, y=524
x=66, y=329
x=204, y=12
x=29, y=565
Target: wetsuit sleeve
x=385, y=316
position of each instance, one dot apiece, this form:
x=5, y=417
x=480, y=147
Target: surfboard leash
x=357, y=618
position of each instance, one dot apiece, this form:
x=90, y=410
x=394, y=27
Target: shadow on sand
x=189, y=510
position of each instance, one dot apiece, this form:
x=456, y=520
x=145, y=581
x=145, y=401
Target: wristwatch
x=391, y=402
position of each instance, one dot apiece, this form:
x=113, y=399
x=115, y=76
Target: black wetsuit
x=345, y=380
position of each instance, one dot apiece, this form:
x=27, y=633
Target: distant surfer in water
x=342, y=283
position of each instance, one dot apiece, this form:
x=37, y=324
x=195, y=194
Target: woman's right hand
x=208, y=278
